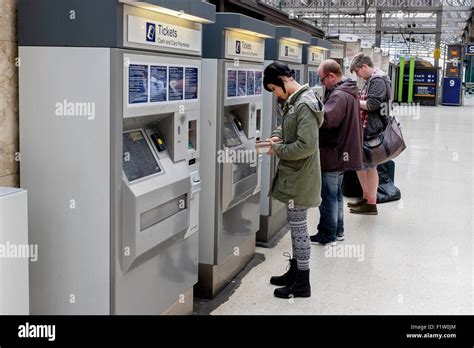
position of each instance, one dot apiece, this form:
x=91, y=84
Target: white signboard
x=348, y=37
x=337, y=51
x=244, y=46
x=148, y=32
x=385, y=63
x=369, y=52
x=352, y=49
x=291, y=51
x=366, y=44
x=377, y=59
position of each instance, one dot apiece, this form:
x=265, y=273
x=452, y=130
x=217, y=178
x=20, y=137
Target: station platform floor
x=415, y=257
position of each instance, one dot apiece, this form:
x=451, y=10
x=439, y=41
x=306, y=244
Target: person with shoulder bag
x=374, y=104
x=297, y=182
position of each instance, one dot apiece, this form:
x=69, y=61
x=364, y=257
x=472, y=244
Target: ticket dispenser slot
x=193, y=137
x=258, y=134
x=239, y=176
x=258, y=124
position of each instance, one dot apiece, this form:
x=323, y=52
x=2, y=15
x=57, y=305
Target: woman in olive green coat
x=297, y=182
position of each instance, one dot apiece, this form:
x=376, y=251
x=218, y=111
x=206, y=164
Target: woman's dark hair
x=272, y=75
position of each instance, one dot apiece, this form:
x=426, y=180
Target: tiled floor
x=416, y=256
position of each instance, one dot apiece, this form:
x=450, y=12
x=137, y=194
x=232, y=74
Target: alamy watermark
x=21, y=251
x=400, y=109
x=238, y=156
x=28, y=330
x=75, y=109
x=356, y=251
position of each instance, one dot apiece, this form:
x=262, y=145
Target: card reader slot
x=162, y=212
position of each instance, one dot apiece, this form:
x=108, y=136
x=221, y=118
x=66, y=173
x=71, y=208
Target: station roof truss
x=407, y=26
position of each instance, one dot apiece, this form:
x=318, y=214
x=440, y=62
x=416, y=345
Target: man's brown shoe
x=356, y=204
x=365, y=209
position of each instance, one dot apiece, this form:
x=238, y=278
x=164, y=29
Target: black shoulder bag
x=388, y=144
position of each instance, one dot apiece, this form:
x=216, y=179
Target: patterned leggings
x=299, y=237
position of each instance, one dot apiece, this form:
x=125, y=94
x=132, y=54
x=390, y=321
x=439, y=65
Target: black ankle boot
x=300, y=287
x=287, y=278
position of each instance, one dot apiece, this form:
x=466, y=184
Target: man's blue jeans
x=331, y=221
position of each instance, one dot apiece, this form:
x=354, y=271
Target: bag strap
x=320, y=103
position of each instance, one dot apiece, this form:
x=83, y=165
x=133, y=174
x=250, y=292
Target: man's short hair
x=360, y=60
x=331, y=66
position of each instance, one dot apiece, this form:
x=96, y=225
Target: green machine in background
x=401, y=69
x=469, y=75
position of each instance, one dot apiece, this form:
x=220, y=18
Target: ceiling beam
x=355, y=10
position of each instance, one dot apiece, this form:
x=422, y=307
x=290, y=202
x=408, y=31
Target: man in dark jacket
x=340, y=146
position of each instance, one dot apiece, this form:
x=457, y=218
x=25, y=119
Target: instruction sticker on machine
x=176, y=83
x=298, y=75
x=231, y=83
x=158, y=83
x=313, y=78
x=243, y=83
x=191, y=83
x=151, y=84
x=250, y=82
x=258, y=82
x=137, y=84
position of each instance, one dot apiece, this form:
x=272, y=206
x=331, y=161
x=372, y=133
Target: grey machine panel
x=72, y=274
x=152, y=215
x=14, y=285
x=233, y=205
x=107, y=244
x=229, y=210
x=209, y=166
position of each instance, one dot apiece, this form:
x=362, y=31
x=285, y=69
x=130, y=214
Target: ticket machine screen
x=138, y=159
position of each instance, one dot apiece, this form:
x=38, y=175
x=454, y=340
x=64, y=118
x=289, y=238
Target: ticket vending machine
x=231, y=119
x=313, y=55
x=286, y=47
x=110, y=95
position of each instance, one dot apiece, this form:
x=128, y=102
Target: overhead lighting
x=178, y=14
x=249, y=32
x=295, y=40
